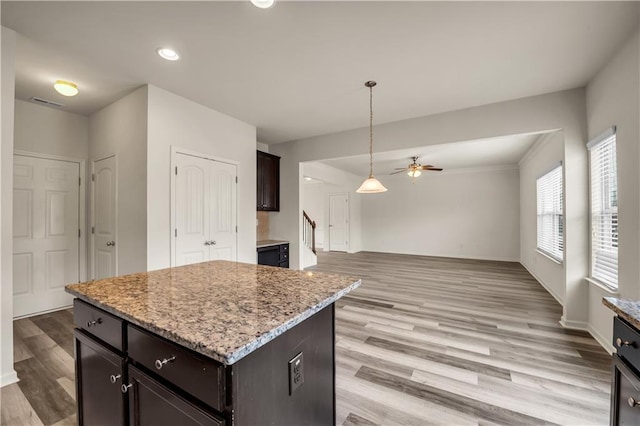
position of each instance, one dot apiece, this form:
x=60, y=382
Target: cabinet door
x=625, y=394
x=153, y=404
x=99, y=374
x=268, y=185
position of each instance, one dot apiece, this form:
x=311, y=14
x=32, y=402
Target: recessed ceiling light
x=308, y=179
x=168, y=54
x=263, y=4
x=66, y=88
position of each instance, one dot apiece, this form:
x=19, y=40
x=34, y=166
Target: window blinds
x=550, y=231
x=604, y=209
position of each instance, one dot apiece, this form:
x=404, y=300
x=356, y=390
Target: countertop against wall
x=267, y=243
x=629, y=310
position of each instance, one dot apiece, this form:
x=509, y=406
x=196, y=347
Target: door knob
x=213, y=243
x=111, y=243
x=207, y=243
x=620, y=343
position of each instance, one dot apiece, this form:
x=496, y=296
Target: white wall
x=336, y=181
x=546, y=154
x=7, y=90
x=121, y=129
x=560, y=110
x=179, y=122
x=313, y=202
x=612, y=99
x=51, y=131
x=470, y=213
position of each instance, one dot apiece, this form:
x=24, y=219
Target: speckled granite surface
x=224, y=310
x=627, y=309
x=267, y=243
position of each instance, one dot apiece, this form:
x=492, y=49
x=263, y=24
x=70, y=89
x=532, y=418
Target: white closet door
x=45, y=233
x=192, y=209
x=338, y=222
x=105, y=252
x=222, y=214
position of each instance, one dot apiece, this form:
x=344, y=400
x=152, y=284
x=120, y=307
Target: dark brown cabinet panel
x=99, y=377
x=276, y=255
x=625, y=395
x=153, y=404
x=268, y=182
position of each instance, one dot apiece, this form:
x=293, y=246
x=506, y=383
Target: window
x=604, y=208
x=550, y=224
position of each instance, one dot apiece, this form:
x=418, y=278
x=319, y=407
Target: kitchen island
x=215, y=343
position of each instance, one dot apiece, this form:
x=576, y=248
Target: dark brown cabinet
x=268, y=182
x=625, y=386
x=153, y=404
x=275, y=255
x=101, y=401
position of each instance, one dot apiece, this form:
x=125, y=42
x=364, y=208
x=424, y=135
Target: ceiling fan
x=415, y=169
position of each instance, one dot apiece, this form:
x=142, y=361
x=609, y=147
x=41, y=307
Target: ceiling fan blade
x=434, y=169
x=400, y=168
x=395, y=173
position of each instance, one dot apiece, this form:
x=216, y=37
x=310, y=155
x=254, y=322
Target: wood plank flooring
x=429, y=340
x=423, y=341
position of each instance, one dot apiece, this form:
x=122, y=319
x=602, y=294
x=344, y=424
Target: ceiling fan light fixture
x=414, y=173
x=371, y=185
x=66, y=88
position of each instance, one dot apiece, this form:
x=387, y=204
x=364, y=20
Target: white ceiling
x=501, y=151
x=297, y=69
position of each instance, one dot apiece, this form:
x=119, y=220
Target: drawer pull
x=94, y=323
x=114, y=378
x=160, y=364
x=125, y=388
x=632, y=402
x=620, y=343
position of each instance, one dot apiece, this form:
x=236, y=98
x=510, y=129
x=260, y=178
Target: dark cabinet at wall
x=276, y=255
x=625, y=386
x=268, y=185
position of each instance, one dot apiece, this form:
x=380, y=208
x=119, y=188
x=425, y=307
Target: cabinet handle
x=160, y=364
x=114, y=378
x=213, y=243
x=620, y=343
x=94, y=323
x=632, y=402
x=125, y=388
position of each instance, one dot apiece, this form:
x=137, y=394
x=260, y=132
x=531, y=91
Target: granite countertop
x=267, y=243
x=224, y=310
x=627, y=309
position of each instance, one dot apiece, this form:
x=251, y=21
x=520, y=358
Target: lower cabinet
x=152, y=404
x=276, y=255
x=99, y=376
x=625, y=383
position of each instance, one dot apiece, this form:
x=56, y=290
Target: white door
x=192, y=209
x=46, y=241
x=104, y=250
x=222, y=213
x=205, y=210
x=338, y=222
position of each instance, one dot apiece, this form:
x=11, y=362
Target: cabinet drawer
x=99, y=323
x=153, y=404
x=284, y=256
x=284, y=248
x=626, y=340
x=197, y=375
x=625, y=402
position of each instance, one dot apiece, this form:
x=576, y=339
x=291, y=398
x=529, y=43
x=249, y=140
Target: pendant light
x=371, y=185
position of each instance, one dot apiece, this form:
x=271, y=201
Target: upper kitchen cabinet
x=268, y=190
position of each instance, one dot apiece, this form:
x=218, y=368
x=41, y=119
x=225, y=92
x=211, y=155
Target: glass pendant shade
x=414, y=173
x=371, y=186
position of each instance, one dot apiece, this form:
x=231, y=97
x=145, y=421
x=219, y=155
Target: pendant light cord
x=370, y=131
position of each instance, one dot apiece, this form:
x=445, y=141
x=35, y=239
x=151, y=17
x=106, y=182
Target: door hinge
x=236, y=179
x=79, y=233
x=176, y=170
x=93, y=229
x=236, y=228
x=176, y=232
x=93, y=177
x=79, y=181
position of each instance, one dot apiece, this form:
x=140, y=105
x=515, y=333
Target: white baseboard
x=601, y=339
x=48, y=311
x=8, y=378
x=574, y=325
x=543, y=284
x=450, y=256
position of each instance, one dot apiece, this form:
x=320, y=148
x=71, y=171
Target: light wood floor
x=423, y=341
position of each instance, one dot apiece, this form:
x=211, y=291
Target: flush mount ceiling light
x=371, y=185
x=308, y=178
x=66, y=88
x=168, y=54
x=263, y=4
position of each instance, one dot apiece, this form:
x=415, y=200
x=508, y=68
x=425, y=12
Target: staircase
x=309, y=257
